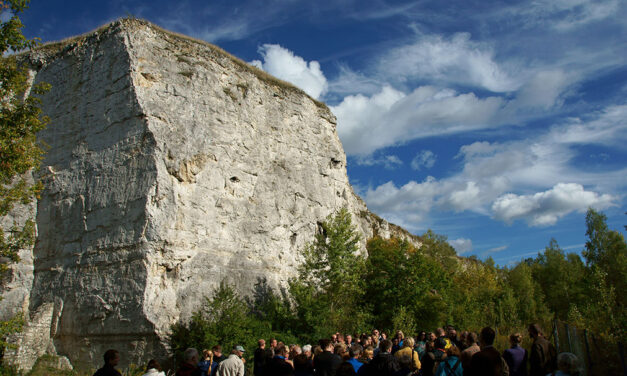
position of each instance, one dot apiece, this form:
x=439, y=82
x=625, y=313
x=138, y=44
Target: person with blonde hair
x=516, y=356
x=408, y=351
x=368, y=354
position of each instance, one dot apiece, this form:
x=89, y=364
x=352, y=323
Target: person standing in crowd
x=408, y=351
x=205, y=363
x=154, y=369
x=451, y=334
x=218, y=357
x=542, y=357
x=516, y=356
x=368, y=354
x=345, y=369
x=279, y=365
x=307, y=351
x=355, y=353
x=488, y=361
x=111, y=360
x=383, y=364
x=190, y=364
x=302, y=366
x=462, y=340
x=472, y=347
x=233, y=365
x=327, y=363
x=440, y=333
x=405, y=366
x=568, y=365
x=421, y=343
x=428, y=359
x=452, y=364
x=259, y=358
x=349, y=340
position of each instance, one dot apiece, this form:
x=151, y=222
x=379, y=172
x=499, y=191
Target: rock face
x=172, y=166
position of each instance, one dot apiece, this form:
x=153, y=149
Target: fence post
x=570, y=346
x=585, y=337
x=556, y=336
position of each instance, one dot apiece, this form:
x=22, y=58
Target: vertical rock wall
x=171, y=166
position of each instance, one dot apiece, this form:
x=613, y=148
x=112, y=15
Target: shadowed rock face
x=172, y=166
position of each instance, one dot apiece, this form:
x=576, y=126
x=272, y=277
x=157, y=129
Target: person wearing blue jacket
x=452, y=364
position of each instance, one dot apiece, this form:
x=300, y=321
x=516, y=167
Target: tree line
x=401, y=287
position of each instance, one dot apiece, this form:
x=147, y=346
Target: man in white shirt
x=233, y=365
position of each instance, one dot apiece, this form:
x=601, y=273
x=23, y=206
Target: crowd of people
x=439, y=353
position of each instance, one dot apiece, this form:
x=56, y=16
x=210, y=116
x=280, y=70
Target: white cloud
x=492, y=172
x=425, y=158
x=461, y=245
x=351, y=82
x=543, y=89
x=282, y=63
x=467, y=198
x=610, y=128
x=457, y=59
x=390, y=117
x=584, y=12
x=545, y=208
x=494, y=250
x=390, y=162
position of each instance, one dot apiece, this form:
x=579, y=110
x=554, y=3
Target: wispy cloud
x=424, y=159
x=461, y=245
x=493, y=171
x=436, y=59
x=389, y=162
x=494, y=250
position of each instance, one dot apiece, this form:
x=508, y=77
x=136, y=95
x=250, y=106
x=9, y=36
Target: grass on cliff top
x=54, y=48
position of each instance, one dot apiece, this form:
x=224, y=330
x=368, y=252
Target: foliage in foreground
x=20, y=120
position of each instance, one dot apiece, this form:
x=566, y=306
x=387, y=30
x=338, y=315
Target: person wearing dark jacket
x=383, y=364
x=488, y=361
x=302, y=366
x=111, y=359
x=259, y=359
x=278, y=366
x=190, y=364
x=327, y=363
x=516, y=356
x=427, y=366
x=542, y=357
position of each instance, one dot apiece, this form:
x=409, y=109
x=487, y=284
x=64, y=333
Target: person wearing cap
x=233, y=365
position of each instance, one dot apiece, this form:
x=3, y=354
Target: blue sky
x=495, y=123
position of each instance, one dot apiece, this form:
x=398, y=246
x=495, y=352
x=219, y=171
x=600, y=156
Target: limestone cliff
x=171, y=166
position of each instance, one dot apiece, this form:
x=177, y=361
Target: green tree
x=561, y=279
x=223, y=319
x=530, y=301
x=20, y=120
x=606, y=258
x=330, y=286
x=402, y=283
x=607, y=250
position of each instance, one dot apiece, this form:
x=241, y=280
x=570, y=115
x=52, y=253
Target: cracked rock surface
x=171, y=166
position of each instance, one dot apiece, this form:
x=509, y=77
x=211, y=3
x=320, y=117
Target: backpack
x=450, y=371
